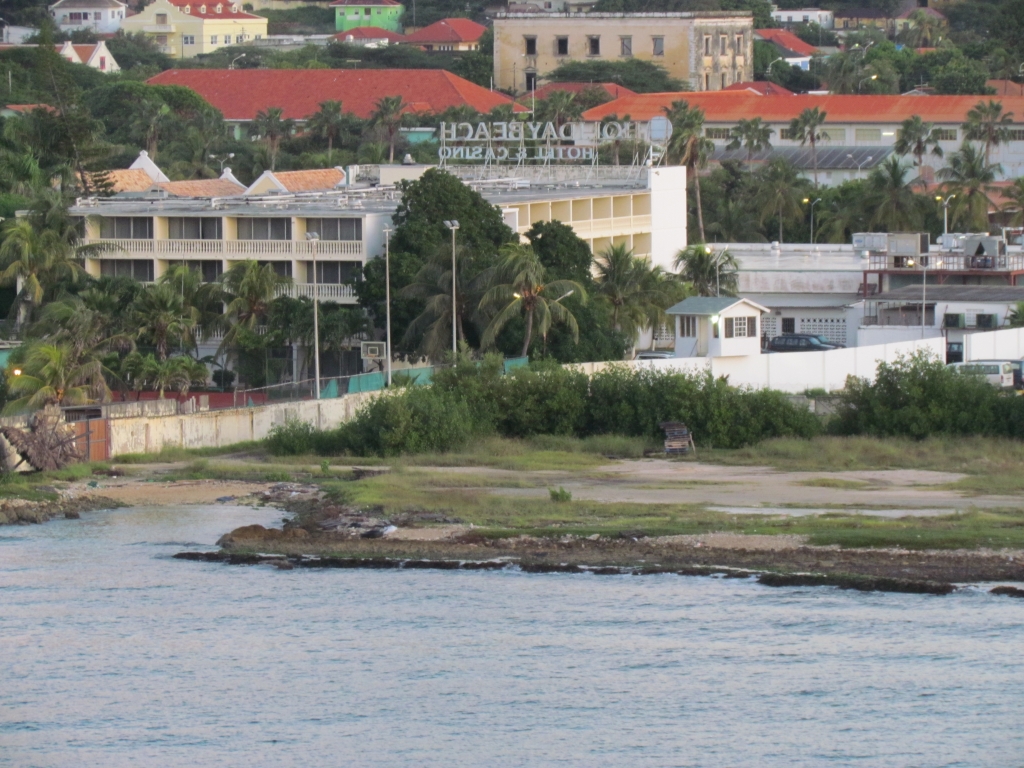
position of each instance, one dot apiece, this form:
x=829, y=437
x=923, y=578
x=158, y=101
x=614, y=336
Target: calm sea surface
x=113, y=654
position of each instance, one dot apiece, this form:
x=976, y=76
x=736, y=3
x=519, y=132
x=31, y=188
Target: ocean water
x=113, y=654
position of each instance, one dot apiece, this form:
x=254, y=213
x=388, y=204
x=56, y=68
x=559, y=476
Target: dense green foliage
x=635, y=74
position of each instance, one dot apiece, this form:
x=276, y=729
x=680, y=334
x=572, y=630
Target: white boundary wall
x=213, y=429
x=794, y=371
x=1007, y=344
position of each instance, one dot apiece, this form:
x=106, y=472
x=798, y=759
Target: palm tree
x=53, y=374
x=273, y=128
x=804, y=128
x=559, y=108
x=986, y=122
x=688, y=146
x=891, y=197
x=778, y=193
x=519, y=289
x=637, y=293
x=150, y=120
x=845, y=71
x=1014, y=194
x=914, y=137
x=202, y=303
x=39, y=258
x=707, y=272
x=970, y=177
x=735, y=223
x=925, y=30
x=753, y=135
x=250, y=287
x=327, y=123
x=388, y=116
x=162, y=318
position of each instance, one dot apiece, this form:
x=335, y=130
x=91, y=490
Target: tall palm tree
x=162, y=318
x=779, y=193
x=805, y=129
x=39, y=258
x=250, y=287
x=970, y=177
x=327, y=124
x=202, y=302
x=53, y=375
x=637, y=293
x=986, y=122
x=688, y=146
x=271, y=126
x=734, y=222
x=388, y=116
x=914, y=137
x=518, y=289
x=892, y=199
x=150, y=120
x=559, y=108
x=1014, y=194
x=844, y=71
x=707, y=272
x=753, y=135
x=433, y=284
x=925, y=30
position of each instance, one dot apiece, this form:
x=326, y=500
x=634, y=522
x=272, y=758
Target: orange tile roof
x=731, y=106
x=370, y=33
x=310, y=181
x=124, y=179
x=787, y=40
x=195, y=8
x=201, y=188
x=762, y=87
x=240, y=93
x=28, y=107
x=1006, y=87
x=448, y=31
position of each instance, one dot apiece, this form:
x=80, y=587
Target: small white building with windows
x=788, y=17
x=102, y=16
x=717, y=326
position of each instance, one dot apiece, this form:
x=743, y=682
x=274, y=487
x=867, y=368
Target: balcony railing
x=328, y=291
x=949, y=262
x=200, y=249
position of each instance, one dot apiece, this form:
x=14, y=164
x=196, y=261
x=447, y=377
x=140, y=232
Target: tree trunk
x=391, y=153
x=780, y=225
x=529, y=334
x=814, y=159
x=330, y=148
x=700, y=210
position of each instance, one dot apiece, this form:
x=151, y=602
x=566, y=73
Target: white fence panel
x=1007, y=344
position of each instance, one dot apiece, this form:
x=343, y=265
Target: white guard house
x=710, y=326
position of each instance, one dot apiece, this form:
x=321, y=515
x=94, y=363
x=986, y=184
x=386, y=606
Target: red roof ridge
x=452, y=30
x=786, y=39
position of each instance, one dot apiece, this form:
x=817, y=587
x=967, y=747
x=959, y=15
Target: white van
x=997, y=373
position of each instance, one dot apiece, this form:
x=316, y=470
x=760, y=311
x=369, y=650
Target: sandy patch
x=134, y=492
x=749, y=541
x=435, y=533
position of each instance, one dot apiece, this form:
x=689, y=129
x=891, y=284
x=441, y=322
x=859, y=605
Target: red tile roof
x=786, y=40
x=731, y=106
x=370, y=33
x=762, y=87
x=23, y=108
x=240, y=93
x=1006, y=87
x=310, y=181
x=448, y=31
x=202, y=188
x=614, y=90
x=227, y=9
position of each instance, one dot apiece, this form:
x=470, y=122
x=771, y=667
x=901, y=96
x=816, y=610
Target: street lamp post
x=314, y=238
x=387, y=293
x=453, y=225
x=945, y=212
x=808, y=200
x=924, y=288
x=222, y=160
x=232, y=64
x=873, y=77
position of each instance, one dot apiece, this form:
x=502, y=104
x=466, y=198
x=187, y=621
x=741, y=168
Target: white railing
x=180, y=249
x=327, y=291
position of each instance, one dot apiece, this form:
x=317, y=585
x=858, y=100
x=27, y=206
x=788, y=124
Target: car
x=801, y=342
x=649, y=354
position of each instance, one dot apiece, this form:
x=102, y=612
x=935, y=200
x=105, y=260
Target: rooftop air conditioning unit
x=908, y=243
x=871, y=241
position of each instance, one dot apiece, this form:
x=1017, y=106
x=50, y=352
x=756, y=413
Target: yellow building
x=183, y=28
x=706, y=50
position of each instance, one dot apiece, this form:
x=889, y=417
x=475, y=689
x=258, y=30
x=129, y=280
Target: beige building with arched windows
x=186, y=28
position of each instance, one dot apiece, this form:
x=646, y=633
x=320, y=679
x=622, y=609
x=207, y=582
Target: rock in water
x=71, y=515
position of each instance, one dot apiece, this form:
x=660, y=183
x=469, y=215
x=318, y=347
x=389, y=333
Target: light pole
x=768, y=69
x=945, y=212
x=808, y=200
x=222, y=160
x=924, y=288
x=387, y=292
x=453, y=225
x=868, y=159
x=232, y=64
x=314, y=238
x=873, y=77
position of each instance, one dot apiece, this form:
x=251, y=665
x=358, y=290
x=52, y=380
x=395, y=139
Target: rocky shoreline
x=70, y=506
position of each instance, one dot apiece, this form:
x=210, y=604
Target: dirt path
x=137, y=492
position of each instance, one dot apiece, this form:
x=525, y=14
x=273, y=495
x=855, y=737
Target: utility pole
x=453, y=225
x=387, y=293
x=314, y=238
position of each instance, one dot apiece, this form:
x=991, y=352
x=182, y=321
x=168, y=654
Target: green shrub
x=542, y=399
x=293, y=438
x=560, y=495
x=414, y=420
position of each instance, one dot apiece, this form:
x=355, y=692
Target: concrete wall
x=1007, y=344
x=212, y=429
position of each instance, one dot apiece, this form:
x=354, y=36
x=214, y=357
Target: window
x=739, y=45
x=126, y=228
x=194, y=228
x=688, y=326
x=785, y=133
x=103, y=62
x=659, y=46
x=868, y=134
x=366, y=11
x=752, y=327
x=725, y=79
x=945, y=134
x=561, y=46
x=188, y=39
x=1014, y=134
x=161, y=18
x=707, y=45
x=789, y=325
x=212, y=269
x=213, y=39
x=136, y=269
x=834, y=134
x=531, y=81
x=718, y=133
x=723, y=45
x=736, y=327
x=807, y=19
x=531, y=46
x=97, y=16
x=264, y=229
x=334, y=272
x=76, y=18
x=281, y=268
x=594, y=45
x=239, y=38
x=985, y=321
x=707, y=81
x=336, y=229
x=625, y=46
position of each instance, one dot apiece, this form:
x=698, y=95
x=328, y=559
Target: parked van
x=1016, y=365
x=998, y=373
